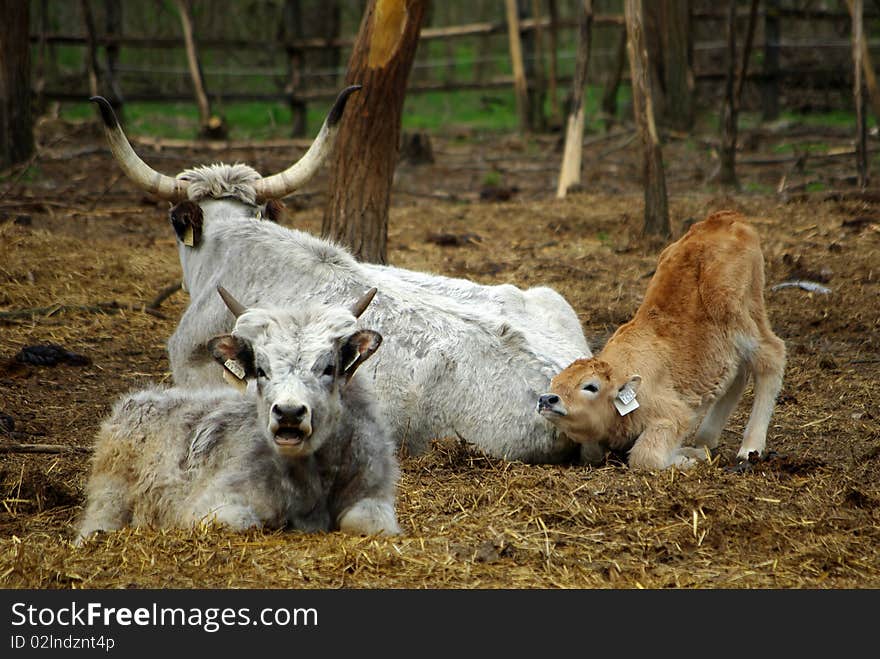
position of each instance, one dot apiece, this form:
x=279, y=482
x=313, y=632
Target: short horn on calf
x=140, y=173
x=236, y=307
x=299, y=173
x=361, y=305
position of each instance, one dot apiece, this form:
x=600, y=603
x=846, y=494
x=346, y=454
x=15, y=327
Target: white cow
x=459, y=358
x=305, y=447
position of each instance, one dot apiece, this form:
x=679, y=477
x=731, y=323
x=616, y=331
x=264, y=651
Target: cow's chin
x=293, y=442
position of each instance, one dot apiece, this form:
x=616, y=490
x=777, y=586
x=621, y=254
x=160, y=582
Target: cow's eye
x=261, y=373
x=590, y=387
x=329, y=369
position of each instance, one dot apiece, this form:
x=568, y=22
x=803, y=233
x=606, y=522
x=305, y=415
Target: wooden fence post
x=570, y=173
x=656, y=204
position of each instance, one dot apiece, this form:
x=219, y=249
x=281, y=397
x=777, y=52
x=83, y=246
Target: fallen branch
x=100, y=307
x=802, y=156
x=163, y=295
x=42, y=448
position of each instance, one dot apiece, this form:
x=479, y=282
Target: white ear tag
x=235, y=368
x=626, y=402
x=188, y=238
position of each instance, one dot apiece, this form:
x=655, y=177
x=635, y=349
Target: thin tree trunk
x=570, y=173
x=291, y=26
x=729, y=110
x=363, y=164
x=40, y=65
x=553, y=10
x=656, y=204
x=16, y=128
x=114, y=29
x=746, y=53
x=770, y=86
x=516, y=58
x=870, y=79
x=92, y=48
x=612, y=84
x=209, y=125
x=533, y=65
x=859, y=93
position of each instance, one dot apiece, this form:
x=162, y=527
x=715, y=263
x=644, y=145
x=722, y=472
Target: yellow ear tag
x=188, y=238
x=238, y=383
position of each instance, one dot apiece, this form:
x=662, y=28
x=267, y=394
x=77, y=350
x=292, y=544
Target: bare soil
x=82, y=252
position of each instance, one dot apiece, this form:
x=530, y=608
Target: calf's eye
x=329, y=369
x=261, y=373
x=592, y=388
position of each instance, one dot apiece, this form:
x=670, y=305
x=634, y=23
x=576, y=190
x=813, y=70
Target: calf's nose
x=548, y=400
x=289, y=413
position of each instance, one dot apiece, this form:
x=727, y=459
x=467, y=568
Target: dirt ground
x=82, y=252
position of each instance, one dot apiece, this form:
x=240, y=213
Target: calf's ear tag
x=625, y=401
x=235, y=368
x=188, y=237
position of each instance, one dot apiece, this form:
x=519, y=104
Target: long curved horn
x=295, y=176
x=236, y=307
x=165, y=187
x=361, y=305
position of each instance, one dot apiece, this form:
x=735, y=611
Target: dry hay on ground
x=808, y=517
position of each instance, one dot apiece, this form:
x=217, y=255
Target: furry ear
x=356, y=349
x=186, y=218
x=236, y=355
x=274, y=211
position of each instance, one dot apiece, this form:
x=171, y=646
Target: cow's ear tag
x=625, y=401
x=235, y=368
x=188, y=237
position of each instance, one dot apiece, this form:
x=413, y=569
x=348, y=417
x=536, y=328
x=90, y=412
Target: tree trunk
x=612, y=83
x=870, y=79
x=553, y=10
x=369, y=135
x=114, y=29
x=746, y=53
x=516, y=58
x=533, y=63
x=210, y=126
x=677, y=58
x=570, y=173
x=16, y=127
x=91, y=49
x=770, y=86
x=859, y=94
x=656, y=205
x=291, y=28
x=729, y=110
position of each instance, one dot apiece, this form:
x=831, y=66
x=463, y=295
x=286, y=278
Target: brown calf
x=687, y=354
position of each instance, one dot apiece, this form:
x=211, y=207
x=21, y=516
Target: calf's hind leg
x=768, y=370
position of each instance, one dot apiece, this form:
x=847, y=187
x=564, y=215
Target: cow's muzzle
x=550, y=406
x=290, y=425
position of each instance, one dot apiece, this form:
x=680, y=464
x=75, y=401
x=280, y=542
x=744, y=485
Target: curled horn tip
x=339, y=106
x=107, y=114
x=361, y=305
x=236, y=307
